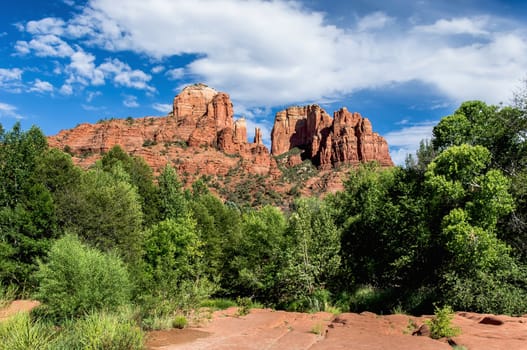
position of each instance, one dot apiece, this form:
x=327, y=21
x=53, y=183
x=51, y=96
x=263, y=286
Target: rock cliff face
x=201, y=138
x=202, y=119
x=347, y=138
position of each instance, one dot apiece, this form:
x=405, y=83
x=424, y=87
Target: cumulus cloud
x=45, y=46
x=130, y=101
x=11, y=79
x=157, y=69
x=49, y=25
x=264, y=52
x=376, y=20
x=9, y=111
x=464, y=25
x=41, y=86
x=162, y=107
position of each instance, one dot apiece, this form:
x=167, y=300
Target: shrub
x=217, y=304
x=441, y=324
x=78, y=279
x=7, y=295
x=21, y=333
x=317, y=329
x=244, y=305
x=104, y=331
x=179, y=322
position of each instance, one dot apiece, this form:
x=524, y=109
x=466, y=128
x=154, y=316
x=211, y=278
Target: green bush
x=78, y=279
x=7, y=295
x=101, y=331
x=244, y=305
x=441, y=324
x=179, y=322
x=217, y=303
x=21, y=333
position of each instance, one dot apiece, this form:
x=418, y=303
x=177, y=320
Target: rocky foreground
x=268, y=329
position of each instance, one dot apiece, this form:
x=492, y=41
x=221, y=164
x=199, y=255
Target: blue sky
x=403, y=64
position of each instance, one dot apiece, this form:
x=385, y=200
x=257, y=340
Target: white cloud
x=92, y=94
x=130, y=101
x=123, y=75
x=162, y=107
x=10, y=74
x=376, y=20
x=157, y=69
x=41, y=86
x=66, y=89
x=464, y=25
x=9, y=111
x=269, y=53
x=406, y=140
x=11, y=79
x=45, y=46
x=176, y=73
x=49, y=25
x=264, y=52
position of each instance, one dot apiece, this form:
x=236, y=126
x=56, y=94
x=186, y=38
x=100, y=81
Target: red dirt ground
x=269, y=329
x=17, y=306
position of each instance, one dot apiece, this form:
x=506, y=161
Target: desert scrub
x=441, y=324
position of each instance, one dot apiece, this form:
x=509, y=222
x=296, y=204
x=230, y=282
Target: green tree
x=172, y=252
x=173, y=203
x=217, y=224
x=140, y=175
x=105, y=210
x=255, y=255
x=78, y=279
x=470, y=199
x=312, y=259
x=27, y=212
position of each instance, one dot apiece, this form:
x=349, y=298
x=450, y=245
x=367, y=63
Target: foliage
x=173, y=203
x=102, y=331
x=441, y=324
x=244, y=305
x=27, y=214
x=19, y=332
x=311, y=256
x=179, y=322
x=140, y=176
x=78, y=279
x=7, y=295
x=255, y=258
x=104, y=209
x=218, y=303
x=171, y=254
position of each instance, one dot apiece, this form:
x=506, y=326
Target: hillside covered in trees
x=449, y=228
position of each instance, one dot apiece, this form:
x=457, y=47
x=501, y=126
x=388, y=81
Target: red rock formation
x=200, y=137
x=202, y=119
x=346, y=139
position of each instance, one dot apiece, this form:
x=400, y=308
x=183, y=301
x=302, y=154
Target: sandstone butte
x=201, y=138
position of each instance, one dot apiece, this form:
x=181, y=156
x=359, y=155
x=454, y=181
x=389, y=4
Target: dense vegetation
x=114, y=246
